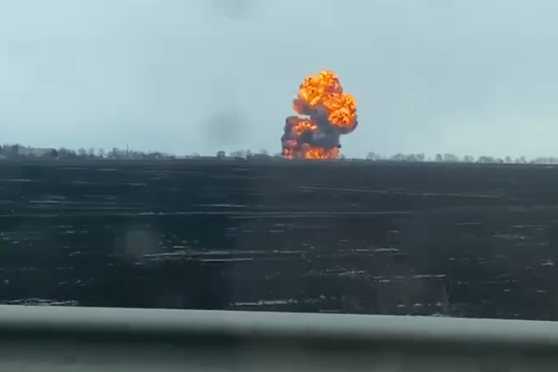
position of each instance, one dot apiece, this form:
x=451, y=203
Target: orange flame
x=319, y=94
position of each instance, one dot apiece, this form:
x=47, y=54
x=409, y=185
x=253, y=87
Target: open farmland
x=473, y=240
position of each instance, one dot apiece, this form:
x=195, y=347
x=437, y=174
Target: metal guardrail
x=91, y=339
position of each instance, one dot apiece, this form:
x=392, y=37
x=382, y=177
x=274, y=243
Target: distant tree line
x=420, y=157
x=19, y=151
x=451, y=158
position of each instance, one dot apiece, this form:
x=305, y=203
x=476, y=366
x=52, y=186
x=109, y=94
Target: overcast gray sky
x=468, y=77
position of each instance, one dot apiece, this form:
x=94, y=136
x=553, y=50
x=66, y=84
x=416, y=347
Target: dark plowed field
x=400, y=238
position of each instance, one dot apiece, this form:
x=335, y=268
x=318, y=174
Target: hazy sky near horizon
x=462, y=76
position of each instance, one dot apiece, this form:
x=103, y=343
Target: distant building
x=36, y=151
x=261, y=156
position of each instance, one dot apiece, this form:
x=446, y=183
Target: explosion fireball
x=324, y=114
